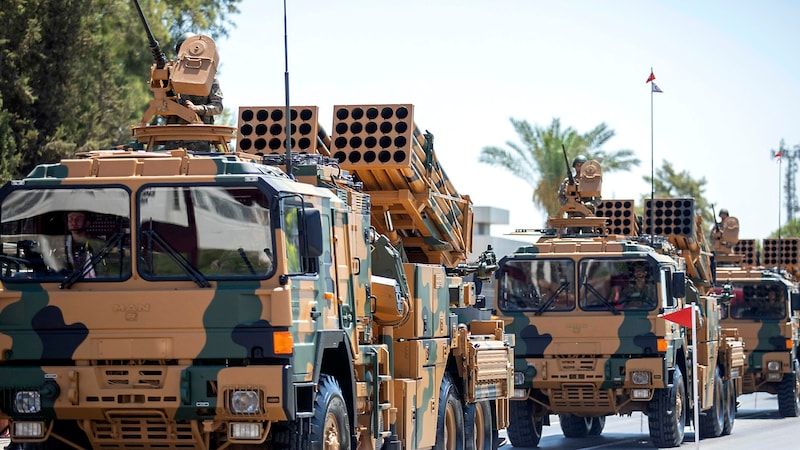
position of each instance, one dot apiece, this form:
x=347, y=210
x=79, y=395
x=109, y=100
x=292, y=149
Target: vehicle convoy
x=765, y=309
x=249, y=299
x=585, y=302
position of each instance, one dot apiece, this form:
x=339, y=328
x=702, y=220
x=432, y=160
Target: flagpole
x=652, y=159
x=695, y=380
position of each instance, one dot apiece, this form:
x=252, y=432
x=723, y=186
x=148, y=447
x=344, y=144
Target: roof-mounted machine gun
x=191, y=74
x=582, y=194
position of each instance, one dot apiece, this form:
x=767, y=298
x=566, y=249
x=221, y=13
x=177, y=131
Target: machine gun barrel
x=566, y=162
x=158, y=55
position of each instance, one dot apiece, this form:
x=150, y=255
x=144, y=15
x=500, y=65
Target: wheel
x=574, y=426
x=729, y=394
x=479, y=426
x=450, y=419
x=666, y=414
x=524, y=428
x=598, y=423
x=789, y=393
x=712, y=422
x=330, y=426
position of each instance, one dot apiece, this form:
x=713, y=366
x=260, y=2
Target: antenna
x=286, y=88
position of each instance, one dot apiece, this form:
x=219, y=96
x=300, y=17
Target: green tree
x=539, y=159
x=74, y=73
x=789, y=229
x=669, y=183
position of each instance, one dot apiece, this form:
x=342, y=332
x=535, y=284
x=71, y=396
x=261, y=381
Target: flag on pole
x=655, y=87
x=651, y=77
x=682, y=317
x=778, y=155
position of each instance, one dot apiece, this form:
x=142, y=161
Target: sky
x=728, y=70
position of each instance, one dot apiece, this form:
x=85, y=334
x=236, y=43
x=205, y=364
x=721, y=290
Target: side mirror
x=312, y=228
x=678, y=286
x=795, y=302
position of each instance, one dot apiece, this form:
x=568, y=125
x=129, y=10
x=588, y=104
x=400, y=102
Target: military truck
x=765, y=309
x=585, y=301
x=257, y=298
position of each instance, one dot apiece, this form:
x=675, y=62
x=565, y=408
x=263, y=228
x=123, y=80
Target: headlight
x=28, y=429
x=246, y=430
x=640, y=377
x=519, y=378
x=640, y=394
x=27, y=402
x=244, y=402
x=773, y=366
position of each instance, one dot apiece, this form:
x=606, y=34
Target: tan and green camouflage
x=590, y=340
x=230, y=304
x=764, y=310
x=254, y=298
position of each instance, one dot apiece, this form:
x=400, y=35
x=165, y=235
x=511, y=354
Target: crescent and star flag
x=682, y=317
x=656, y=88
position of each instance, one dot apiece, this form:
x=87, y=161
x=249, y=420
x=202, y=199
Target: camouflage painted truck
x=585, y=302
x=765, y=309
x=227, y=304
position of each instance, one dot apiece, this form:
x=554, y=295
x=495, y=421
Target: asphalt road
x=758, y=426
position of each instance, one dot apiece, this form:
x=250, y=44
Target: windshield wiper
x=246, y=260
x=564, y=284
x=114, y=241
x=179, y=259
x=602, y=298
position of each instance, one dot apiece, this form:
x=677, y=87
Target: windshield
x=65, y=234
x=537, y=285
x=617, y=284
x=757, y=301
x=204, y=232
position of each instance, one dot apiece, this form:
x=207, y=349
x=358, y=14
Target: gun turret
x=159, y=59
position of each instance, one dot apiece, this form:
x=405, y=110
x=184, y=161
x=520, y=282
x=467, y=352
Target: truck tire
x=598, y=423
x=729, y=393
x=666, y=414
x=573, y=426
x=330, y=426
x=712, y=422
x=479, y=426
x=450, y=419
x=789, y=393
x=524, y=428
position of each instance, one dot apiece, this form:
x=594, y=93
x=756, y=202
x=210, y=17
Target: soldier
x=77, y=249
x=577, y=163
x=639, y=290
x=206, y=107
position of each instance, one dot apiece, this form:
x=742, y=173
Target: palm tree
x=540, y=161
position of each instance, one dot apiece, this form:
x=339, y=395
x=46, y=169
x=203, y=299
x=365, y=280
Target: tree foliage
x=74, y=73
x=539, y=158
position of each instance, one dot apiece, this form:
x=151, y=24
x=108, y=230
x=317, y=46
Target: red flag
x=778, y=155
x=651, y=77
x=656, y=88
x=682, y=317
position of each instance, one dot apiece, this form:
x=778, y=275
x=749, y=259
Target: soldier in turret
x=577, y=163
x=204, y=106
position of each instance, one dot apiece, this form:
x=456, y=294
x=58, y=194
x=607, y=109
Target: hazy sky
x=729, y=71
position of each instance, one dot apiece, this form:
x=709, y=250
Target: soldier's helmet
x=723, y=211
x=579, y=159
x=181, y=39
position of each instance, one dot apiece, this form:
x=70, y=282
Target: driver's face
x=76, y=221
